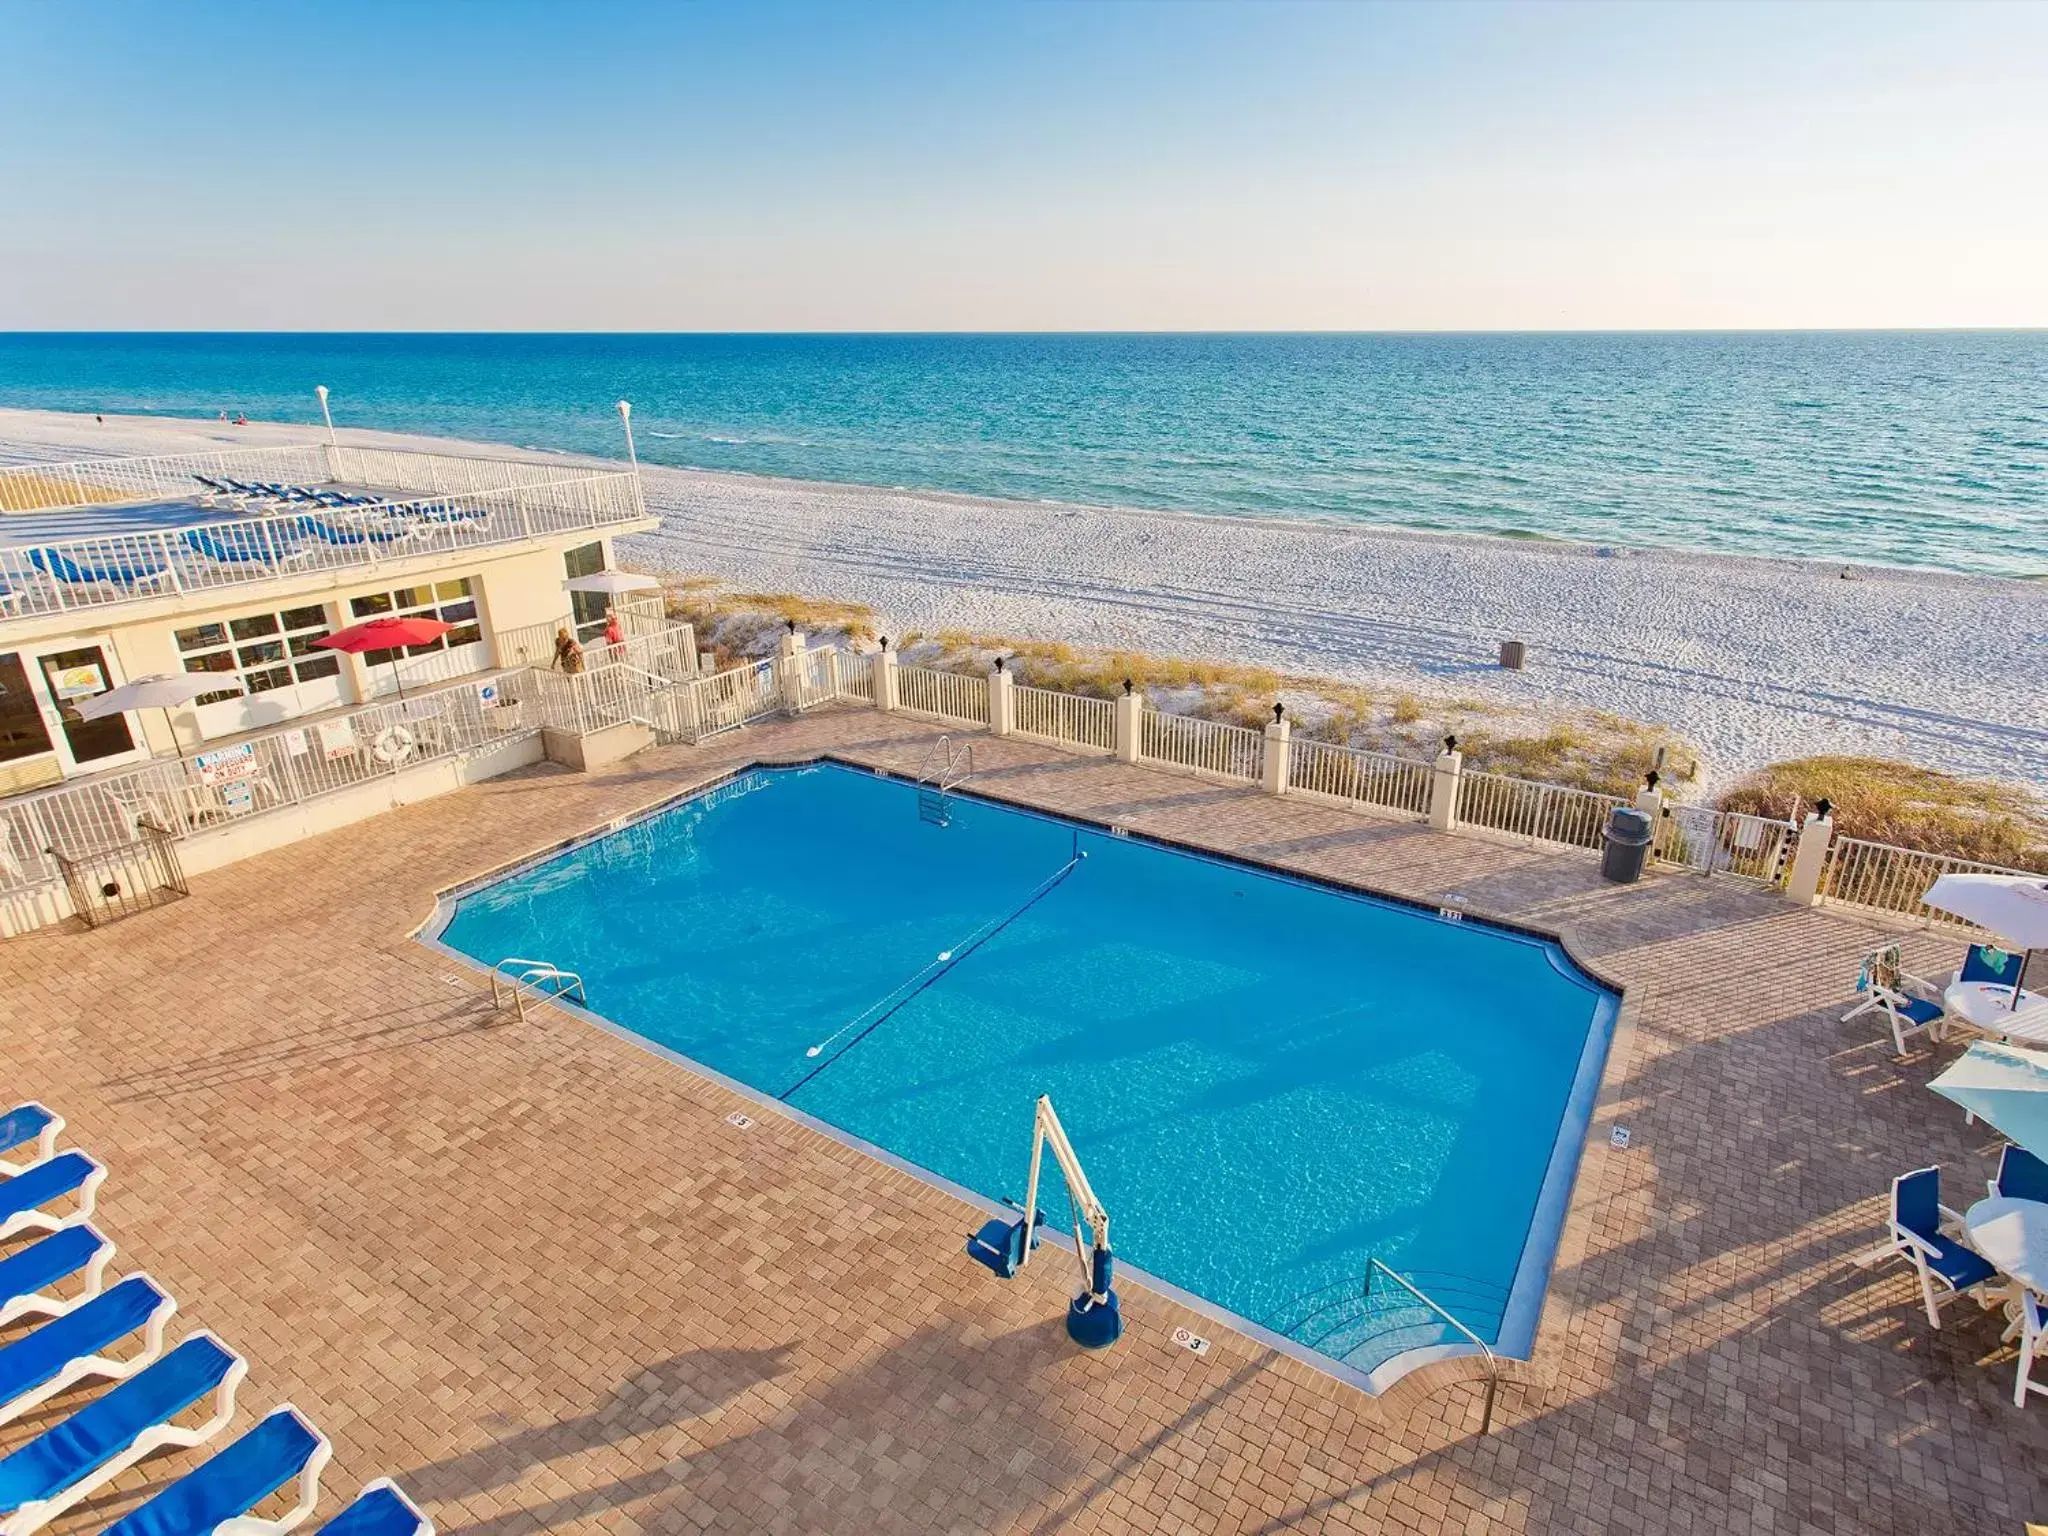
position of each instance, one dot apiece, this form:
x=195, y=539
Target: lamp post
x=626, y=420
x=325, y=414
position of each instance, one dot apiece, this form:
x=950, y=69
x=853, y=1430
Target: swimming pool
x=1270, y=1081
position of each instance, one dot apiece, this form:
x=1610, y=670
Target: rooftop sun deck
x=114, y=531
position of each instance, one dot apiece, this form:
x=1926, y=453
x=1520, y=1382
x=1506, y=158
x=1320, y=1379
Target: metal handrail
x=1492, y=1360
x=955, y=764
x=529, y=981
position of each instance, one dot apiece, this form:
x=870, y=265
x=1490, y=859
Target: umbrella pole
x=397, y=681
x=171, y=726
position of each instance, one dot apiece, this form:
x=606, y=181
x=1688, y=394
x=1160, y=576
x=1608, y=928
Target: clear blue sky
x=989, y=166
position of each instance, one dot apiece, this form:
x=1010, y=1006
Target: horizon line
x=1732, y=330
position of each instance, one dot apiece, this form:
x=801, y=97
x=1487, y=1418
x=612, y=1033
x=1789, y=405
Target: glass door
x=22, y=730
x=74, y=676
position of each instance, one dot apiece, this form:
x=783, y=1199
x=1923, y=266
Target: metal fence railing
x=948, y=695
x=1893, y=879
x=1531, y=809
x=1202, y=746
x=224, y=784
x=1377, y=779
x=130, y=877
x=1066, y=719
x=854, y=676
x=1725, y=842
x=43, y=487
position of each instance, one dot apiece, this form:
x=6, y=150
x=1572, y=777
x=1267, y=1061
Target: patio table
x=2012, y=1234
x=1987, y=1007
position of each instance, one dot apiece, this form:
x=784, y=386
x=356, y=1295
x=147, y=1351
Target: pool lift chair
x=1094, y=1317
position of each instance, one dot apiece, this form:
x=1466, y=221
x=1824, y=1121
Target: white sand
x=1753, y=660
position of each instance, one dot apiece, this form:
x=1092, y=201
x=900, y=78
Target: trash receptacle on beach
x=1627, y=846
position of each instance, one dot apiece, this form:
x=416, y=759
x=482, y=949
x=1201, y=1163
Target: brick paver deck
x=533, y=1272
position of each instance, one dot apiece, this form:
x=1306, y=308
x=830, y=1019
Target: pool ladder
x=515, y=980
x=947, y=765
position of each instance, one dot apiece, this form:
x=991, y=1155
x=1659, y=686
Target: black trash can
x=1627, y=847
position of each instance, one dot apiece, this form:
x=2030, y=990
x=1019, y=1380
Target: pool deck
x=532, y=1272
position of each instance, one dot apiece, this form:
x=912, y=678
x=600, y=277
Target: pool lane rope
x=883, y=1008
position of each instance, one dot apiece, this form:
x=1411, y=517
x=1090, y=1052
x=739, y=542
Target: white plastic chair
x=1908, y=1002
x=2033, y=1322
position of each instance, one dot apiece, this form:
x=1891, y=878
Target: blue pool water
x=1269, y=1081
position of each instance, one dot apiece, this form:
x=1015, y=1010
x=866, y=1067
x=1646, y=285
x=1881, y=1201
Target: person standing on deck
x=568, y=654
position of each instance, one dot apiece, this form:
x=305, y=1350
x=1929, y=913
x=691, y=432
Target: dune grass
x=1587, y=749
x=1890, y=802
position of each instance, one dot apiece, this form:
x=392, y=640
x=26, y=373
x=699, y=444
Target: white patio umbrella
x=160, y=690
x=2004, y=1086
x=2015, y=907
x=612, y=583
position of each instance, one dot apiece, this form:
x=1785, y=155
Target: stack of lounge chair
x=60, y=1278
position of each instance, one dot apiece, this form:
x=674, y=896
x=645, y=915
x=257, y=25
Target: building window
x=452, y=602
x=262, y=651
x=586, y=608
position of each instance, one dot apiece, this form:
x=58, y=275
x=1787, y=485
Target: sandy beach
x=1753, y=660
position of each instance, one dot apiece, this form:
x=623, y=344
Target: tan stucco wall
x=517, y=585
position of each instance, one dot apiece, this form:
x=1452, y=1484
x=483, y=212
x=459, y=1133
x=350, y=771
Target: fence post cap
x=1127, y=685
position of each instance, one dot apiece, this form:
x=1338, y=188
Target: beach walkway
x=532, y=1271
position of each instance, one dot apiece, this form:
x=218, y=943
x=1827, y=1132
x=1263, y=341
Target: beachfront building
x=235, y=564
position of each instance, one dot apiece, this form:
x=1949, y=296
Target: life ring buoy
x=393, y=745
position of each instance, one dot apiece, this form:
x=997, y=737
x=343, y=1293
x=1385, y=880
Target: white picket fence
x=944, y=695
x=647, y=682
x=1376, y=779
x=1202, y=746
x=279, y=768
x=1064, y=719
x=1888, y=878
x=1534, y=811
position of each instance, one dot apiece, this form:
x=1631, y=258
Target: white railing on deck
x=1539, y=812
x=57, y=575
x=1203, y=746
x=1893, y=879
x=948, y=695
x=1069, y=719
x=46, y=487
x=1376, y=779
x=224, y=784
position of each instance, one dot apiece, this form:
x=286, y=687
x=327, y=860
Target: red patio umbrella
x=386, y=634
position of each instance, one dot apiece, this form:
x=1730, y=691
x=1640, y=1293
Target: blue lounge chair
x=471, y=519
x=281, y=1447
x=1930, y=1234
x=327, y=533
x=2021, y=1175
x=55, y=563
x=71, y=1460
x=381, y=1509
x=26, y=1276
x=27, y=1123
x=39, y=1365
x=23, y=1197
x=240, y=546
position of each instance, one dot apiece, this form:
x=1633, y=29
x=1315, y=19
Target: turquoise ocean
x=1896, y=448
